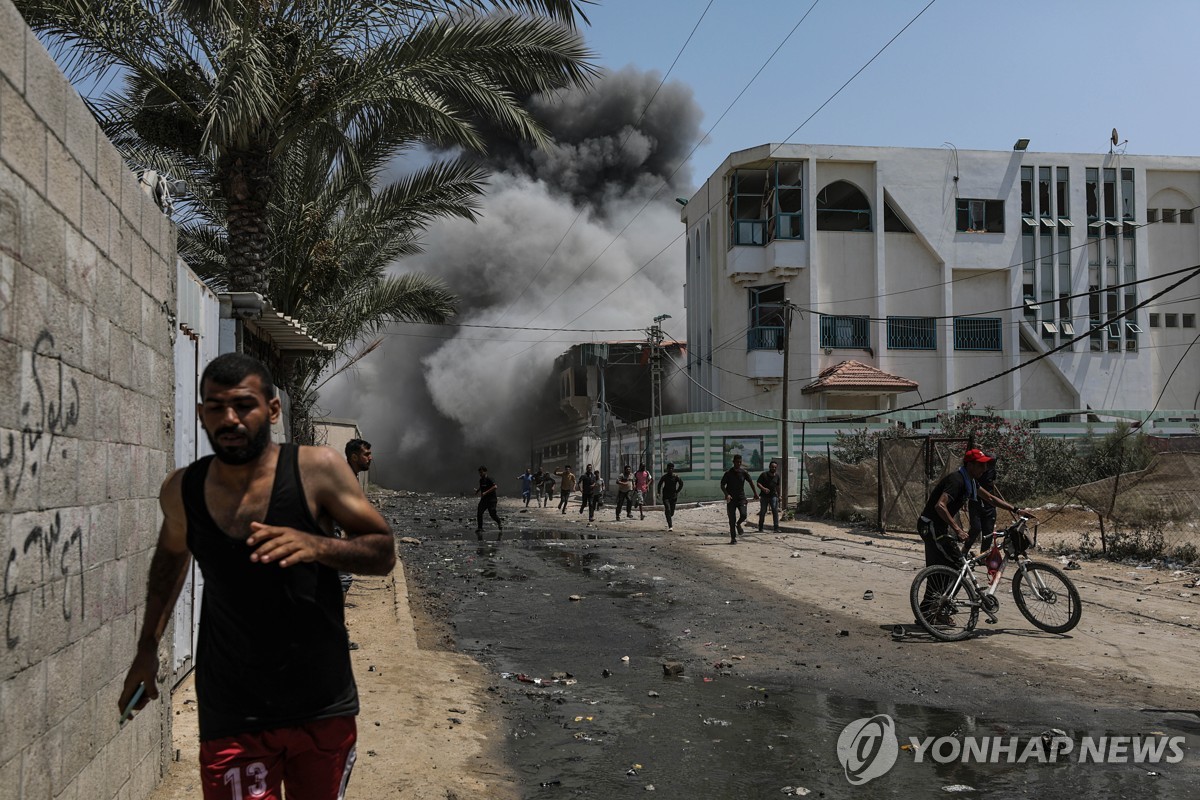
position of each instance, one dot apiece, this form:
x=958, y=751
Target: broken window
x=747, y=207
x=766, y=204
x=789, y=201
x=979, y=216
x=841, y=206
x=1092, y=192
x=766, y=318
x=1063, y=194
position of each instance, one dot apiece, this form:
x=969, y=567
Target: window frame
x=991, y=209
x=961, y=336
x=759, y=335
x=831, y=336
x=921, y=333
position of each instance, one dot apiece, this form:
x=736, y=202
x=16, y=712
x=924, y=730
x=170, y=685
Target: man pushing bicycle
x=939, y=517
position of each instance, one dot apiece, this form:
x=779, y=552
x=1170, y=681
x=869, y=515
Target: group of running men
x=632, y=488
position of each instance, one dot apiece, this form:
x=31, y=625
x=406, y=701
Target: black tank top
x=273, y=650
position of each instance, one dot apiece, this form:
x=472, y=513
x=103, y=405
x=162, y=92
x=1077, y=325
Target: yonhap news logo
x=868, y=748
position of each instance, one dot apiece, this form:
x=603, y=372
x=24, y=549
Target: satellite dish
x=1115, y=139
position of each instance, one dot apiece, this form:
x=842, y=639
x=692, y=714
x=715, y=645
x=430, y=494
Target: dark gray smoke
x=436, y=408
x=609, y=141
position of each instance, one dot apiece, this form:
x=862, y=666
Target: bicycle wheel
x=1047, y=598
x=946, y=613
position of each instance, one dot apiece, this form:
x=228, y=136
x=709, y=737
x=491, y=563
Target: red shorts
x=313, y=761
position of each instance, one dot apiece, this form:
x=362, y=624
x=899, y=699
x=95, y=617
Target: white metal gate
x=196, y=343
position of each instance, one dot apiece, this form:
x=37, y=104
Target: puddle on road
x=729, y=739
x=623, y=727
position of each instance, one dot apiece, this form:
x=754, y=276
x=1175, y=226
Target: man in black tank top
x=275, y=691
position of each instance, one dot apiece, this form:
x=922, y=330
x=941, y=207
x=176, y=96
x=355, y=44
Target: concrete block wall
x=87, y=282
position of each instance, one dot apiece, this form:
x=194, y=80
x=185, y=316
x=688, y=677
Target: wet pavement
x=576, y=625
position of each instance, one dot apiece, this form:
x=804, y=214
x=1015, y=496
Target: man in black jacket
x=732, y=484
x=669, y=487
x=768, y=497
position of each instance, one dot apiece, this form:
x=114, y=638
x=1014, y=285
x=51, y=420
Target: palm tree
x=230, y=86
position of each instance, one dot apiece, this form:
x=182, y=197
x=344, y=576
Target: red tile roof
x=856, y=376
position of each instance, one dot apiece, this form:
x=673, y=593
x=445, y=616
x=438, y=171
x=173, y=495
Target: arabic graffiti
x=53, y=412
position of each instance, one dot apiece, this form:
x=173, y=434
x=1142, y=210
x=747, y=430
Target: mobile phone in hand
x=127, y=714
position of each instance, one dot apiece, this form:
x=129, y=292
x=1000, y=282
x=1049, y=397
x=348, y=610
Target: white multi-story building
x=944, y=268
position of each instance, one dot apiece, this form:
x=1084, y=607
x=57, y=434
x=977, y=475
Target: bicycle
x=946, y=602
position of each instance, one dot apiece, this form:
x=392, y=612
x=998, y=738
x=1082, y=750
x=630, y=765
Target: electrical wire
x=1194, y=272
x=1047, y=354
x=628, y=136
x=662, y=186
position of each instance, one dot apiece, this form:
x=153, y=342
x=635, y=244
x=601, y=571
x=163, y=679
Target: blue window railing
x=911, y=333
x=978, y=333
x=845, y=332
x=765, y=337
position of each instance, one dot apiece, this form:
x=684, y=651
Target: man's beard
x=244, y=454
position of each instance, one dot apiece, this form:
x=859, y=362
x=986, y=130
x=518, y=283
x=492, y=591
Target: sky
x=977, y=74
x=587, y=236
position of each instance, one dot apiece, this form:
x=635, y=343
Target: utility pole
x=785, y=428
x=656, y=340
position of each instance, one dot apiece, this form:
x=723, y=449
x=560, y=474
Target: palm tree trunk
x=246, y=182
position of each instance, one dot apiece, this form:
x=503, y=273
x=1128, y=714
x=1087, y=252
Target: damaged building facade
x=607, y=395
x=921, y=273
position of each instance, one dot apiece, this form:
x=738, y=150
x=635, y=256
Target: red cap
x=977, y=456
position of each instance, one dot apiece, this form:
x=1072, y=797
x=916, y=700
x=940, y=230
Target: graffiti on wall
x=49, y=552
x=52, y=412
x=50, y=549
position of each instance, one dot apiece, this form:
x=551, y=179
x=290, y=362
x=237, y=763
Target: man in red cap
x=938, y=519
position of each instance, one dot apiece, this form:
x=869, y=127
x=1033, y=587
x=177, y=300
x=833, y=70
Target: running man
x=565, y=487
x=275, y=691
x=487, y=502
x=768, y=496
x=732, y=484
x=641, y=484
x=669, y=487
x=526, y=479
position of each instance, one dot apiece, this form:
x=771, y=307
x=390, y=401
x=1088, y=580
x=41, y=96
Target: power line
x=1193, y=272
x=663, y=185
x=628, y=136
x=1047, y=354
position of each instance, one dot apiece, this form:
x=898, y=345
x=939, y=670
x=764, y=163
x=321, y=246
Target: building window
x=766, y=318
x=893, y=222
x=1186, y=216
x=766, y=204
x=788, y=212
x=1092, y=193
x=1063, y=194
x=1189, y=320
x=1151, y=215
x=845, y=332
x=980, y=216
x=1168, y=215
x=747, y=209
x=977, y=333
x=841, y=206
x=1154, y=320
x=911, y=333
x=1171, y=320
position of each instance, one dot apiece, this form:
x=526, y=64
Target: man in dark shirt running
x=669, y=487
x=587, y=485
x=768, y=497
x=732, y=484
x=275, y=692
x=487, y=502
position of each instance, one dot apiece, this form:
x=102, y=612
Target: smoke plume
x=436, y=402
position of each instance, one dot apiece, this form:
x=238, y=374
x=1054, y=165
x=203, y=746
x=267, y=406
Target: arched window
x=841, y=206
